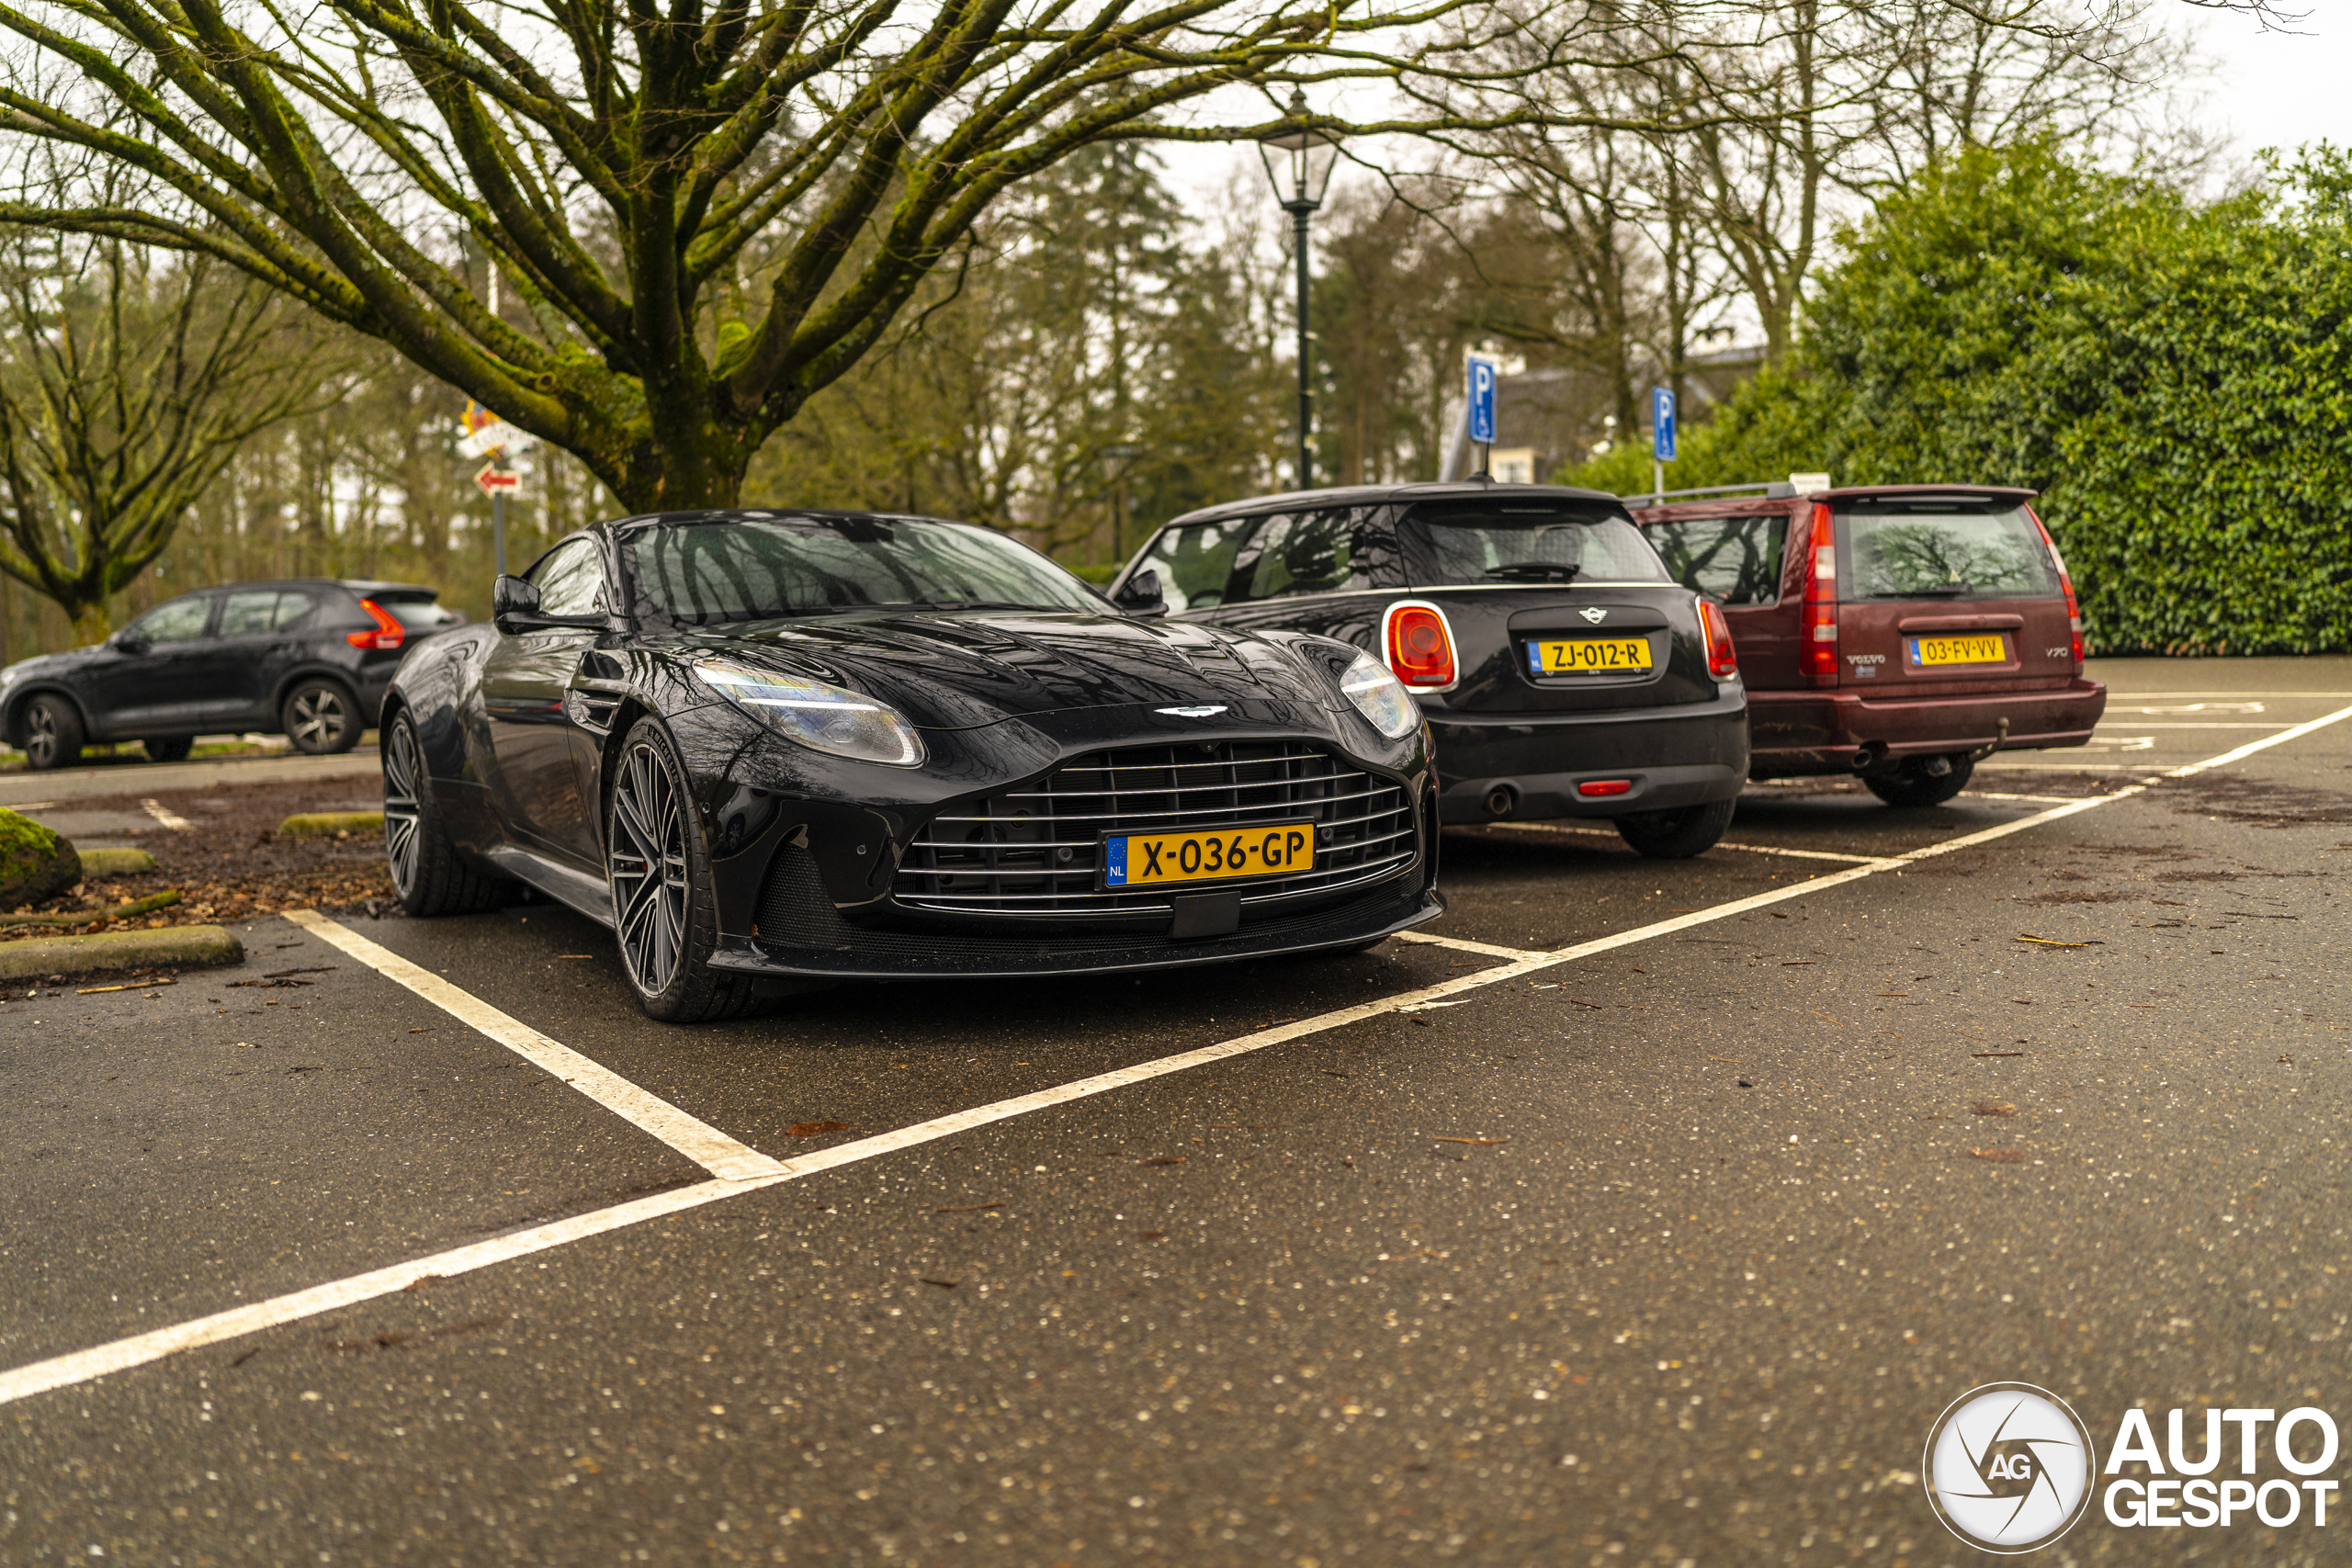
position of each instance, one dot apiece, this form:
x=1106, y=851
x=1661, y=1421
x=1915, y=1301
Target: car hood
x=52, y=663
x=962, y=671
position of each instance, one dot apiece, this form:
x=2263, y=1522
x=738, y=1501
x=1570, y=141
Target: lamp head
x=1299, y=158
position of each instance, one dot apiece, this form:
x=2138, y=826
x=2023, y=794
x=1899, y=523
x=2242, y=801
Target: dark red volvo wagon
x=1899, y=632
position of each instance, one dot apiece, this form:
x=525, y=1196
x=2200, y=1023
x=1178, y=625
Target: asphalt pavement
x=1649, y=1213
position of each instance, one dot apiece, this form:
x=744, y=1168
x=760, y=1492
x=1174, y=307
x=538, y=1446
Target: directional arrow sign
x=495, y=480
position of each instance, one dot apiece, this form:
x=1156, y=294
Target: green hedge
x=2173, y=377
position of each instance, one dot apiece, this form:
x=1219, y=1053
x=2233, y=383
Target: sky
x=2273, y=89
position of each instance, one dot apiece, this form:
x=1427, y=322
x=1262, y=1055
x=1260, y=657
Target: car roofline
x=1367, y=495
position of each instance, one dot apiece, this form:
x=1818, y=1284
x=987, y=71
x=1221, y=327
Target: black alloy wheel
x=1915, y=787
x=321, y=718
x=169, y=749
x=428, y=874
x=53, y=729
x=1676, y=833
x=665, y=911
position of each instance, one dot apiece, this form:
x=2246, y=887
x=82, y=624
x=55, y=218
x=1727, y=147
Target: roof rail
x=1777, y=490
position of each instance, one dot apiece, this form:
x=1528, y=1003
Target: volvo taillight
x=1818, y=652
x=389, y=633
x=2073, y=610
x=1420, y=646
x=1723, y=660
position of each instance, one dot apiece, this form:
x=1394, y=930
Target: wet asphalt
x=1671, y=1254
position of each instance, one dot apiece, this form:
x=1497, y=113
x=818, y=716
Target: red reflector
x=1420, y=652
x=1606, y=786
x=389, y=633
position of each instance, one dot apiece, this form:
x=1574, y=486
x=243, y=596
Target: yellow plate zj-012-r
x=1986, y=649
x=1222, y=854
x=1589, y=655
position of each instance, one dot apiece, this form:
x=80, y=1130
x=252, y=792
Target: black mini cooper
x=1563, y=671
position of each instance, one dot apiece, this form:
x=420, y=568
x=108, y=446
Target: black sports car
x=770, y=746
x=1564, y=672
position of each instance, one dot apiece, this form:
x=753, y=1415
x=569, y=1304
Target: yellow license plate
x=1224, y=854
x=1589, y=655
x=1989, y=649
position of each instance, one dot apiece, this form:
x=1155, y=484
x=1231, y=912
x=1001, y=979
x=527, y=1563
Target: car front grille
x=1035, y=850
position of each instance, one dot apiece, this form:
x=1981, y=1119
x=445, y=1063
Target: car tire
x=173, y=749
x=52, y=733
x=1678, y=833
x=322, y=717
x=428, y=875
x=665, y=906
x=1914, y=789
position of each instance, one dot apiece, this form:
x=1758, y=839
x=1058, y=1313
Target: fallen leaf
x=1793, y=962
x=968, y=1208
x=281, y=974
x=134, y=985
x=1162, y=1159
x=1152, y=1235
x=1990, y=1108
x=811, y=1129
x=942, y=1284
x=1446, y=1140
x=1984, y=1054
x=2000, y=1156
x=2045, y=941
x=1734, y=1061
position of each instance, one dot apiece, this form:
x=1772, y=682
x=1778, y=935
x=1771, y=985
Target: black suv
x=310, y=656
x=1562, y=671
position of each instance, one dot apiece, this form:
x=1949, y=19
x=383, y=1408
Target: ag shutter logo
x=2009, y=1468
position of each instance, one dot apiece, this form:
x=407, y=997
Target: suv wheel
x=428, y=873
x=53, y=729
x=171, y=749
x=321, y=718
x=1913, y=786
x=1677, y=834
x=665, y=909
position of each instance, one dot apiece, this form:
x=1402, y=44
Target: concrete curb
x=184, y=947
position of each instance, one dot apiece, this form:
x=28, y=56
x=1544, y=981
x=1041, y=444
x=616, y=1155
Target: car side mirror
x=125, y=643
x=1140, y=595
x=513, y=604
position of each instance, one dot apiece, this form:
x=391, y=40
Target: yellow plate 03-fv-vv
x=1223, y=855
x=1988, y=649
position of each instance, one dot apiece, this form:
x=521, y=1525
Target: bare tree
x=708, y=211
x=128, y=381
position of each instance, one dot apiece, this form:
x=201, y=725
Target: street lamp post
x=1299, y=160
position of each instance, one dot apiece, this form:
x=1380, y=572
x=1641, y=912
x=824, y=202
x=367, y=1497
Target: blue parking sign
x=1482, y=400
x=1662, y=424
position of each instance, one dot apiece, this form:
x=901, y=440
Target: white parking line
x=1721, y=844
x=725, y=1158
x=82, y=1366
x=1464, y=944
x=164, y=815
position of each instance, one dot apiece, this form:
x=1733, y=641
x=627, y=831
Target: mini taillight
x=1606, y=786
x=1723, y=660
x=2073, y=610
x=1817, y=653
x=389, y=633
x=1420, y=650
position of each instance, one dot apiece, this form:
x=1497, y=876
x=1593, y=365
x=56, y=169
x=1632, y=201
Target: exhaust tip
x=1501, y=801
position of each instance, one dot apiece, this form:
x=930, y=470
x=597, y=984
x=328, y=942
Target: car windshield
x=757, y=568
x=1532, y=542
x=1940, y=549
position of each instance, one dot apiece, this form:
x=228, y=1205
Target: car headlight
x=821, y=718
x=1380, y=697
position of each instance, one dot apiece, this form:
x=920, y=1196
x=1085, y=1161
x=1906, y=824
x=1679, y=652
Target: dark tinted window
x=251, y=610
x=182, y=620
x=1941, y=549
x=1304, y=552
x=1732, y=560
x=569, y=579
x=1491, y=542
x=749, y=568
x=1196, y=561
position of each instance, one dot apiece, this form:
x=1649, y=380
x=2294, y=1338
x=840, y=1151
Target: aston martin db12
x=767, y=747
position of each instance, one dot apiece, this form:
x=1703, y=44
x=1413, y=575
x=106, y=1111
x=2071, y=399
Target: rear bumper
x=1839, y=731
x=1692, y=754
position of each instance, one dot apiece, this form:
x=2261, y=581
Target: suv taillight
x=1723, y=660
x=2073, y=610
x=1420, y=649
x=1817, y=653
x=389, y=633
